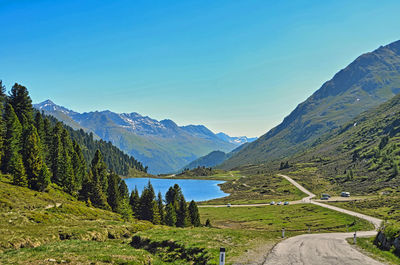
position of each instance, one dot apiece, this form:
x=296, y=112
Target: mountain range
x=363, y=155
x=368, y=81
x=214, y=158
x=163, y=146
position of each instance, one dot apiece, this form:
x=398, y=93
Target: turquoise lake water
x=193, y=189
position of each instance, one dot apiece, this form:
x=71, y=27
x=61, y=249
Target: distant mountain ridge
x=237, y=140
x=214, y=158
x=161, y=145
x=368, y=81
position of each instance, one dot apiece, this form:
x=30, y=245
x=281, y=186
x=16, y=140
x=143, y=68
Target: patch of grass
x=258, y=189
x=30, y=219
x=81, y=252
x=366, y=244
x=236, y=242
x=294, y=218
x=386, y=207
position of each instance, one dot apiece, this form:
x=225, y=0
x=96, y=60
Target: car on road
x=272, y=203
x=279, y=203
x=325, y=196
x=286, y=203
x=345, y=194
x=228, y=205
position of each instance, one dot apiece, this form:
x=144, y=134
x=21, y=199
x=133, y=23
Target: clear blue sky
x=234, y=66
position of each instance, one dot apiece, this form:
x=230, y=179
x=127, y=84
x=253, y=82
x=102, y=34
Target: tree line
x=115, y=159
x=174, y=212
x=38, y=151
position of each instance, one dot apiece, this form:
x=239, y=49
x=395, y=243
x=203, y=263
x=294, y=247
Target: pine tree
x=39, y=125
x=146, y=203
x=65, y=169
x=173, y=195
x=182, y=215
x=194, y=214
x=2, y=122
x=43, y=178
x=156, y=219
x=22, y=104
x=170, y=215
x=125, y=210
x=78, y=165
x=99, y=176
x=17, y=170
x=160, y=206
x=134, y=202
x=99, y=170
x=87, y=187
x=56, y=153
x=12, y=141
x=47, y=142
x=113, y=196
x=123, y=189
x=32, y=157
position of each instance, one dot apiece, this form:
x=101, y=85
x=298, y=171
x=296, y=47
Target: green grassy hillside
x=370, y=80
x=363, y=156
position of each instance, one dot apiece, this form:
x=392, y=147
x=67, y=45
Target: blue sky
x=235, y=66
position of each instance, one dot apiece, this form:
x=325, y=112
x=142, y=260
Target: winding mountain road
x=327, y=249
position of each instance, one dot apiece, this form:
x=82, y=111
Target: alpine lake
x=193, y=189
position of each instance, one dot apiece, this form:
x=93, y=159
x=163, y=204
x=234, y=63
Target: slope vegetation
x=363, y=156
x=370, y=80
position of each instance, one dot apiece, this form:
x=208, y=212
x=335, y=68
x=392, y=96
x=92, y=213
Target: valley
x=212, y=133
x=163, y=146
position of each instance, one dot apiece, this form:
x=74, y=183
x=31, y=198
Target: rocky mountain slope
x=370, y=80
x=161, y=145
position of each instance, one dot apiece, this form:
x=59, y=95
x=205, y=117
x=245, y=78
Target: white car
x=228, y=205
x=279, y=203
x=272, y=203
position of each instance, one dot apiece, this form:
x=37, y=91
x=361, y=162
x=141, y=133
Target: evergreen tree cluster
x=115, y=159
x=175, y=211
x=37, y=150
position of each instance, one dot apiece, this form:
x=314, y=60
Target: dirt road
x=327, y=249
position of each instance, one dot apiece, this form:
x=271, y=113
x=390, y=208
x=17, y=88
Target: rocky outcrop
x=388, y=242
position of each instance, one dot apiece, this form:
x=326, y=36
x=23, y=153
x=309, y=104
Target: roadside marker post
x=222, y=256
x=355, y=237
x=283, y=232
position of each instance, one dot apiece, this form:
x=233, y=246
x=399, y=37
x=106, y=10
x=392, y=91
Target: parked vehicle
x=279, y=203
x=345, y=194
x=286, y=203
x=325, y=198
x=272, y=203
x=228, y=205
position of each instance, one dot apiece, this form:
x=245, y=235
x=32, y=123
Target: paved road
x=327, y=249
x=297, y=185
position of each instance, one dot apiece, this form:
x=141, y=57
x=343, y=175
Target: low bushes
x=388, y=238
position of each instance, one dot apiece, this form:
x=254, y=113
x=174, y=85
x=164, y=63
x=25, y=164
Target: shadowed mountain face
x=161, y=145
x=370, y=80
